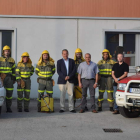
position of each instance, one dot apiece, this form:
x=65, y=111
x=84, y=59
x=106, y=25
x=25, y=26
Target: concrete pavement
x=65, y=126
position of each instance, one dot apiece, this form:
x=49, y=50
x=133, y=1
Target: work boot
x=81, y=111
x=61, y=111
x=86, y=109
x=116, y=112
x=94, y=111
x=39, y=109
x=9, y=110
x=26, y=110
x=99, y=108
x=73, y=111
x=111, y=109
x=20, y=110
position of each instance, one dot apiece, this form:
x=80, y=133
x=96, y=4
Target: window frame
x=14, y=41
x=137, y=43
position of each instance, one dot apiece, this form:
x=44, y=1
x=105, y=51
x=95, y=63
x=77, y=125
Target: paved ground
x=66, y=126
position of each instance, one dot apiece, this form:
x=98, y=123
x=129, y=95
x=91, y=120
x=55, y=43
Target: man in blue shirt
x=88, y=78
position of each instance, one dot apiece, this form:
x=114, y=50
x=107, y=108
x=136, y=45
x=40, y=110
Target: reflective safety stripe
x=53, y=69
x=20, y=99
x=45, y=72
x=109, y=91
x=25, y=72
x=9, y=98
x=5, y=68
x=38, y=100
x=37, y=69
x=5, y=71
x=13, y=74
x=105, y=73
x=27, y=90
x=26, y=99
x=13, y=66
x=45, y=75
x=17, y=70
x=9, y=88
x=41, y=91
x=18, y=78
x=25, y=76
x=49, y=91
x=101, y=90
x=105, y=69
x=100, y=100
x=20, y=89
x=110, y=100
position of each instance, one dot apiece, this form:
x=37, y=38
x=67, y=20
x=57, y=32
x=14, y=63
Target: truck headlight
x=121, y=86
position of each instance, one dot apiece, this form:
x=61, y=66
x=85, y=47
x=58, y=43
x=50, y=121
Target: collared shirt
x=88, y=71
x=67, y=65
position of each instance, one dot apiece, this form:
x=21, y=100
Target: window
x=121, y=43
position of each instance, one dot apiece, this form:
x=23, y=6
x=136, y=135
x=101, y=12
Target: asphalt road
x=65, y=126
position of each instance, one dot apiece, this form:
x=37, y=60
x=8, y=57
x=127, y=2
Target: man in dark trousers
x=66, y=70
x=88, y=78
x=119, y=71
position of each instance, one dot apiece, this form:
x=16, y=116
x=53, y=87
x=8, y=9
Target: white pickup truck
x=128, y=96
x=2, y=95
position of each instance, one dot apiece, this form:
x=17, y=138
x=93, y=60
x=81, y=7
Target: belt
x=89, y=79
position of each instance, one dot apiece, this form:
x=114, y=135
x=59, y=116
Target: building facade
x=53, y=25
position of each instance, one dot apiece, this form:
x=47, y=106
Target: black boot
x=9, y=110
x=86, y=109
x=39, y=109
x=20, y=110
x=99, y=108
x=111, y=109
x=26, y=110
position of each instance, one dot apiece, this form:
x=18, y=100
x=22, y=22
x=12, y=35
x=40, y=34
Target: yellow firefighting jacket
x=24, y=70
x=7, y=66
x=105, y=67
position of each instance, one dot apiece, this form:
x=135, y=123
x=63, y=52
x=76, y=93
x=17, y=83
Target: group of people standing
x=79, y=71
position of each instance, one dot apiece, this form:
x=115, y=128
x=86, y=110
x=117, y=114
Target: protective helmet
x=6, y=47
x=25, y=54
x=78, y=50
x=45, y=51
x=41, y=59
x=107, y=51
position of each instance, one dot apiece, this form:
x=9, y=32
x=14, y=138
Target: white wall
x=36, y=35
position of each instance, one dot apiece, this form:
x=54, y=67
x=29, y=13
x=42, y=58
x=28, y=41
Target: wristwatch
x=96, y=83
x=118, y=79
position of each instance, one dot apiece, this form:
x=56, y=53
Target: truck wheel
x=128, y=114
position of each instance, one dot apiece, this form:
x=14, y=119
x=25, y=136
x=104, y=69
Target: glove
x=22, y=84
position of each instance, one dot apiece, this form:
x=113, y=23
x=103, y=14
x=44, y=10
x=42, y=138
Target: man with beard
x=78, y=58
x=7, y=74
x=106, y=82
x=45, y=69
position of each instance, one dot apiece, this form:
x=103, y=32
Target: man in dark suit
x=66, y=70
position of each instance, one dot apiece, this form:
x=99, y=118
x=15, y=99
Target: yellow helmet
x=45, y=51
x=78, y=50
x=25, y=54
x=107, y=51
x=6, y=47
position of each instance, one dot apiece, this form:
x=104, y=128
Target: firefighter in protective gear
x=7, y=73
x=45, y=69
x=24, y=71
x=106, y=82
x=78, y=58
